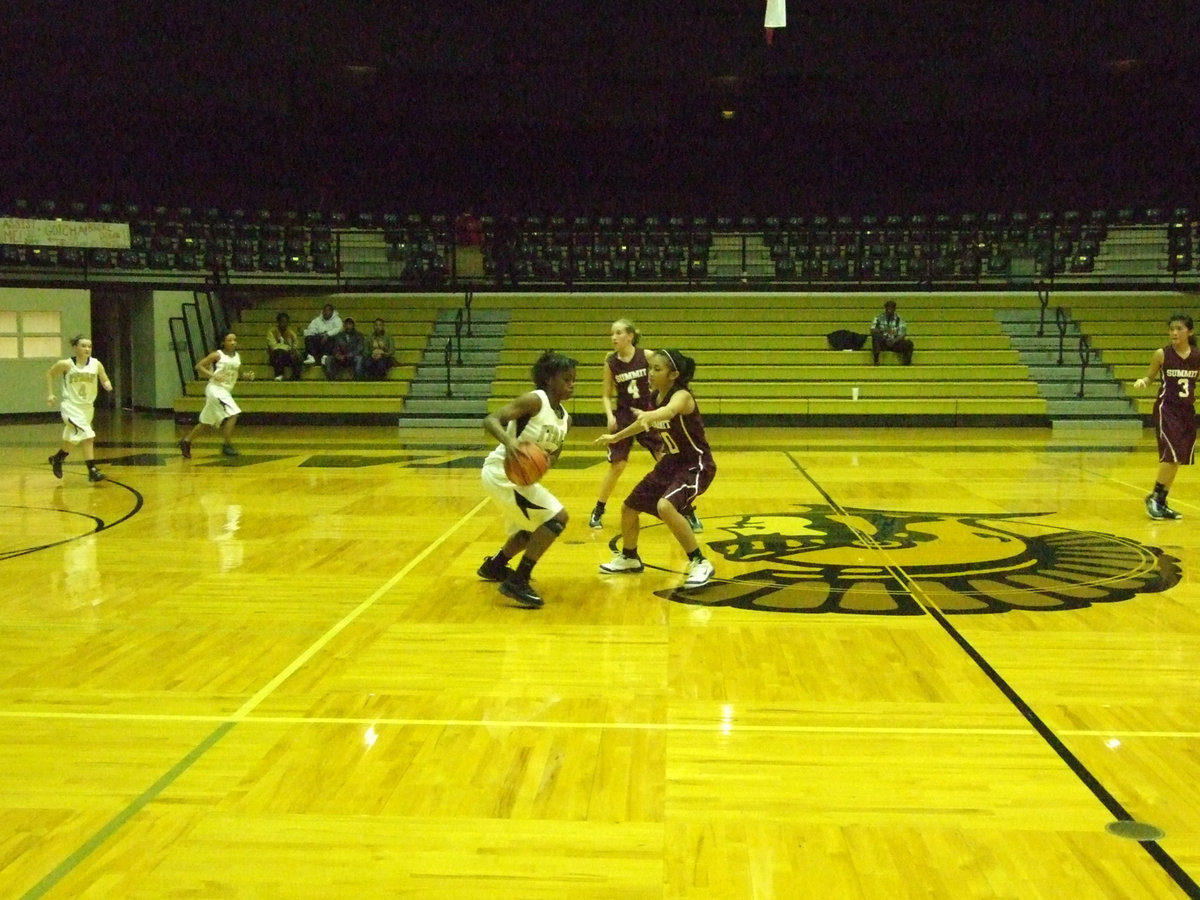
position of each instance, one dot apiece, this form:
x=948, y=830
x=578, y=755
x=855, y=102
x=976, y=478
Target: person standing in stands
x=626, y=374
x=1174, y=415
x=284, y=348
x=506, y=241
x=890, y=332
x=684, y=472
x=319, y=335
x=81, y=377
x=221, y=368
x=468, y=231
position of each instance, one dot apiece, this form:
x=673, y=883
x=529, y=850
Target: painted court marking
x=115, y=824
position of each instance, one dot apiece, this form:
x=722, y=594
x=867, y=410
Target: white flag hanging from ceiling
x=776, y=17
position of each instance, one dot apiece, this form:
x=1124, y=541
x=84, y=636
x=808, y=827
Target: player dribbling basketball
x=534, y=516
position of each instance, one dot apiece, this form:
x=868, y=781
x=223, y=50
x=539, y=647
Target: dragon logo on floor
x=875, y=562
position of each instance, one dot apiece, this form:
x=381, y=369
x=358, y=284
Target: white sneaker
x=622, y=563
x=309, y=360
x=325, y=359
x=698, y=573
x=279, y=378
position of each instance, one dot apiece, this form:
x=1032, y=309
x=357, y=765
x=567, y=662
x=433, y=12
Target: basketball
x=528, y=464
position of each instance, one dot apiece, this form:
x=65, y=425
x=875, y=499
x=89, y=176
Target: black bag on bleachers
x=843, y=339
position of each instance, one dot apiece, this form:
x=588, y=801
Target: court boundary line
x=98, y=838
x=399, y=721
x=1170, y=867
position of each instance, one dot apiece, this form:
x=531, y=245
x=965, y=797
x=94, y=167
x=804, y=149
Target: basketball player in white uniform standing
x=533, y=516
x=81, y=378
x=221, y=368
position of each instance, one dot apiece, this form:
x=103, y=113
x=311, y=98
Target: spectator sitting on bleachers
x=283, y=347
x=381, y=353
x=319, y=335
x=348, y=352
x=889, y=332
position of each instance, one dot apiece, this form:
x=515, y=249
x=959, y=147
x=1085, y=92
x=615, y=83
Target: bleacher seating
x=410, y=323
x=767, y=355
x=416, y=251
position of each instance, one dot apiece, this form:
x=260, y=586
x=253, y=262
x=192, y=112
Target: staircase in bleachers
x=740, y=257
x=1126, y=329
x=1073, y=392
x=453, y=380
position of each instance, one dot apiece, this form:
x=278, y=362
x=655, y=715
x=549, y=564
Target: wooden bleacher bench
x=410, y=320
x=759, y=354
x=764, y=356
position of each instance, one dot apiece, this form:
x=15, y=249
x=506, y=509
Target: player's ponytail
x=628, y=327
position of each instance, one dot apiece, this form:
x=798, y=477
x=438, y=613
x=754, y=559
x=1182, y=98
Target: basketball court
x=951, y=663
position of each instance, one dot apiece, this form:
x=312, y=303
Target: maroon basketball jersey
x=632, y=380
x=1179, y=374
x=685, y=442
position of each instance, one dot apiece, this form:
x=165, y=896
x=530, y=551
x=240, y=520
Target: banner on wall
x=62, y=233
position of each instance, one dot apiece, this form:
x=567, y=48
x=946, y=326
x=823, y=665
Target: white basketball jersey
x=81, y=383
x=546, y=428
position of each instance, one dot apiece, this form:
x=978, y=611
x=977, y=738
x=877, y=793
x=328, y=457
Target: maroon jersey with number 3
x=1175, y=406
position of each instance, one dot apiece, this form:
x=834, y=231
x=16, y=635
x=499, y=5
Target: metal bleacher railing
x=185, y=246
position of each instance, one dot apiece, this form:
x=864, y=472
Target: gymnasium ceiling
x=541, y=101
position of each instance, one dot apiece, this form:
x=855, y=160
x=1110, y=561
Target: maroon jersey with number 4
x=632, y=380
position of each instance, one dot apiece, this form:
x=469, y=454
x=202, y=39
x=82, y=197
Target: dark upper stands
x=418, y=250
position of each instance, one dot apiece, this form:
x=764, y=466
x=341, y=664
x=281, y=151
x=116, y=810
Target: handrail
x=1061, y=319
x=195, y=304
x=1044, y=299
x=220, y=329
x=458, y=330
x=446, y=359
x=178, y=345
x=1085, y=353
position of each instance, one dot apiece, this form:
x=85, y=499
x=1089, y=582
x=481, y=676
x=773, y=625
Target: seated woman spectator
x=348, y=352
x=284, y=347
x=381, y=353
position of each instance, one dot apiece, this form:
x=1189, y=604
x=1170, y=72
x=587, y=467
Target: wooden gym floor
x=935, y=663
